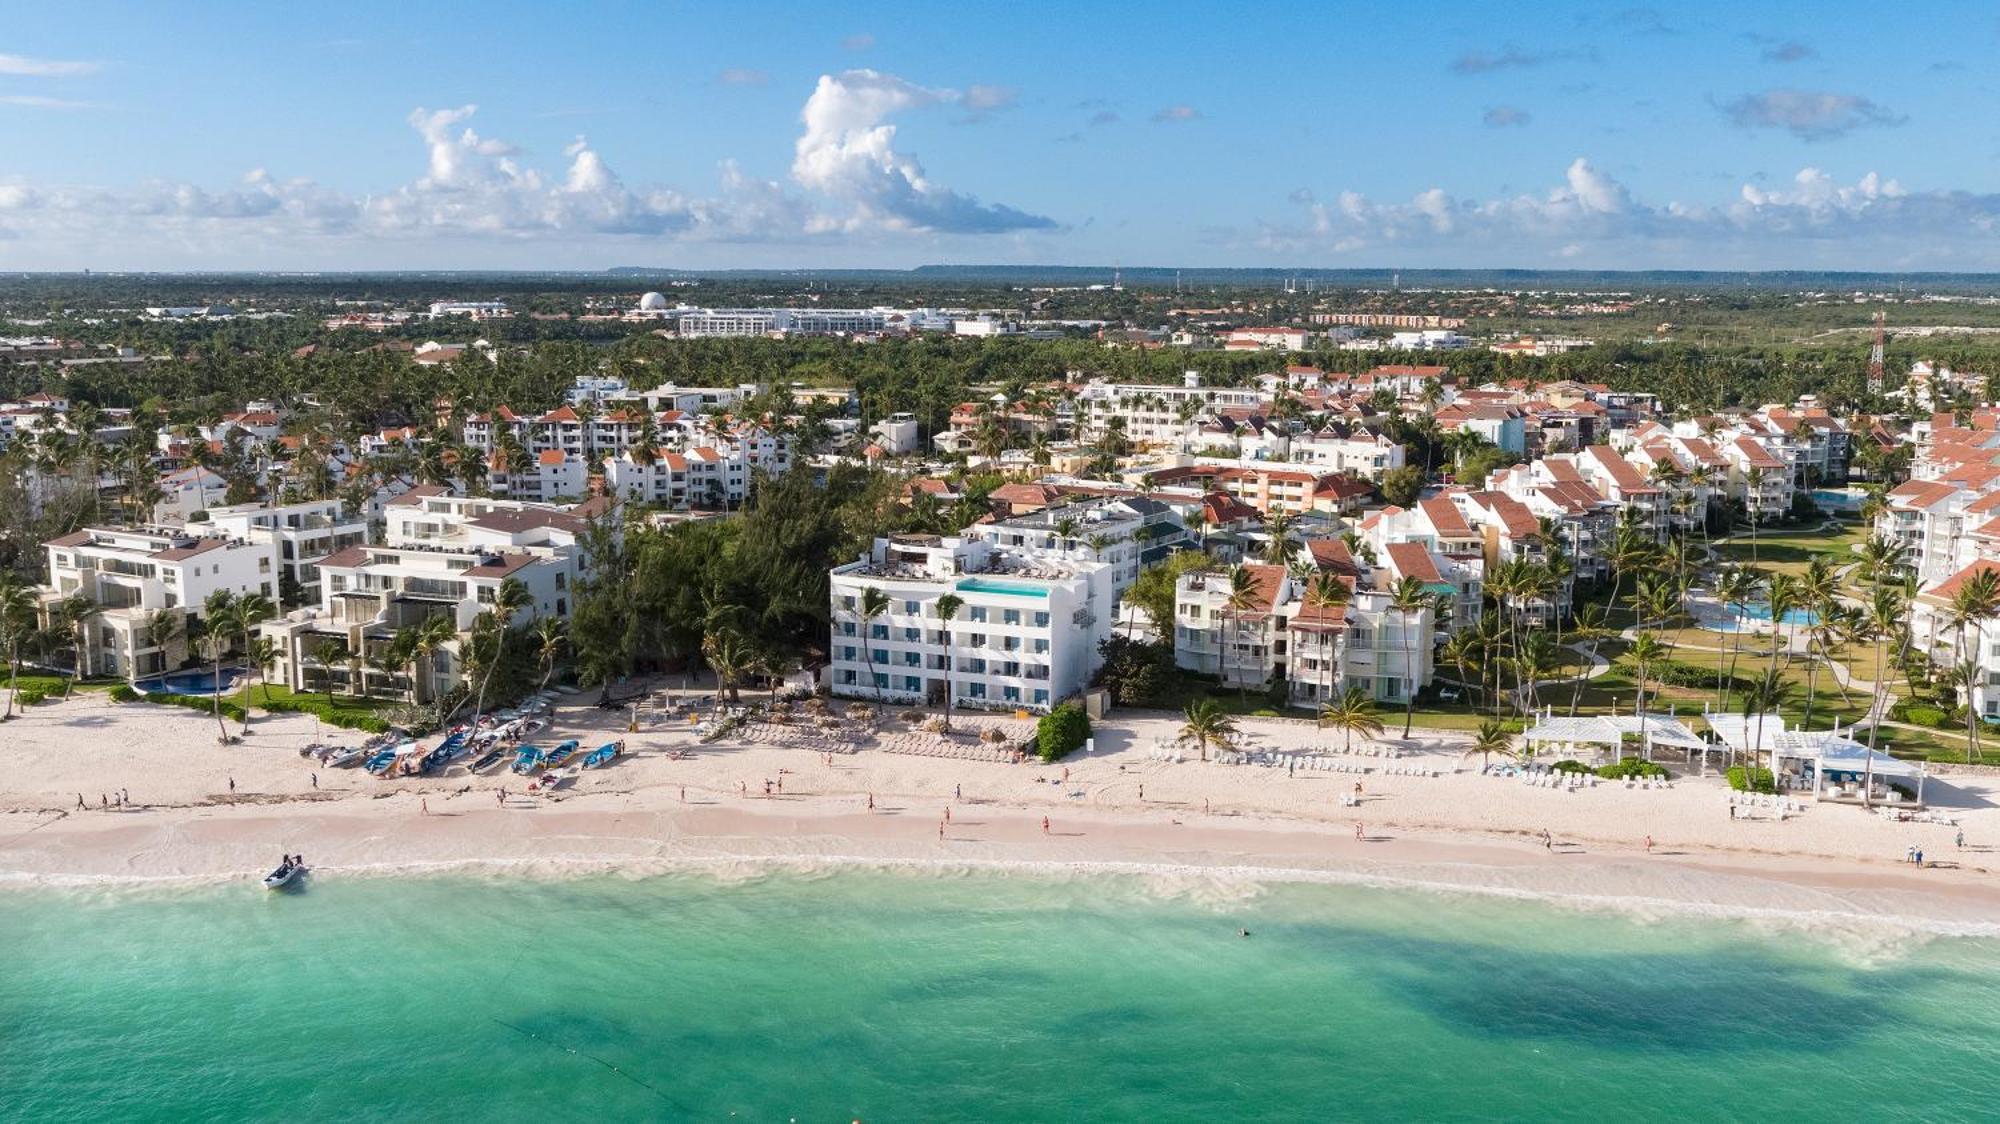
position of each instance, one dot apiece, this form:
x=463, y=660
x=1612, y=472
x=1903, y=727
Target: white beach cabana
x=1833, y=764
x=1612, y=730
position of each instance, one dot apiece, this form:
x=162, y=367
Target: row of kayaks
x=532, y=758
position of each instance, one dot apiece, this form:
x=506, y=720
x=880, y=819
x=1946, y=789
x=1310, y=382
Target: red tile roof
x=1412, y=560
x=1948, y=588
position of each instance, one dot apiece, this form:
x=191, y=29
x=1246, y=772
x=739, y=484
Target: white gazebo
x=1611, y=730
x=1831, y=763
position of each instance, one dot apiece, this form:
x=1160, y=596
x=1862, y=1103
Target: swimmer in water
x=1242, y=932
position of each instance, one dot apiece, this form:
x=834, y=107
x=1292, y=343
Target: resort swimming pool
x=190, y=682
x=1741, y=613
x=1011, y=589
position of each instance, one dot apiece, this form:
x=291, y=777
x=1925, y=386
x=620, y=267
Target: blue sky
x=504, y=135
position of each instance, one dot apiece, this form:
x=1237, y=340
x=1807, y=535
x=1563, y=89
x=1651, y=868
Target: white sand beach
x=1120, y=808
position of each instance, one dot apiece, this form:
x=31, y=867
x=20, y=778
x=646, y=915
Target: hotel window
x=977, y=614
x=912, y=659
x=909, y=606
x=881, y=656
x=1041, y=697
x=881, y=680
x=1041, y=620
x=913, y=683
x=1041, y=647
x=1010, y=616
x=847, y=652
x=913, y=635
x=878, y=632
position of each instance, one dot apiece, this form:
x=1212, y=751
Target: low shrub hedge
x=1928, y=716
x=1631, y=767
x=124, y=693
x=31, y=696
x=1752, y=780
x=1700, y=678
x=204, y=703
x=1571, y=767
x=1061, y=731
x=353, y=718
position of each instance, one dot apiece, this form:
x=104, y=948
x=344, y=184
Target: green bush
x=31, y=696
x=1699, y=678
x=124, y=693
x=1061, y=732
x=1631, y=767
x=1571, y=767
x=1927, y=716
x=230, y=710
x=1752, y=780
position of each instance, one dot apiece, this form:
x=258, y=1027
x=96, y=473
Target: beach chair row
x=1902, y=815
x=1170, y=756
x=1758, y=800
x=1410, y=771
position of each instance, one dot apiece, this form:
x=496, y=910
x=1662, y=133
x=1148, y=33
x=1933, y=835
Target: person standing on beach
x=1957, y=841
x=103, y=801
x=424, y=804
x=315, y=780
x=958, y=793
x=1142, y=791
x=1649, y=844
x=1357, y=831
x=1045, y=825
x=684, y=794
x=1204, y=805
x=1548, y=841
x=232, y=784
x=80, y=806
x=947, y=813
x=871, y=801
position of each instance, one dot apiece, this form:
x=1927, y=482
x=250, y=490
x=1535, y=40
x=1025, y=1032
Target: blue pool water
x=191, y=682
x=1012, y=589
x=1759, y=612
x=1830, y=499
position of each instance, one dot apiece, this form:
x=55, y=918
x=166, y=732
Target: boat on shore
x=486, y=761
x=288, y=873
x=562, y=752
x=603, y=755
x=530, y=758
x=343, y=756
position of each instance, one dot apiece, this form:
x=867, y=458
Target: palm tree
x=1464, y=650
x=946, y=608
x=1885, y=615
x=551, y=637
x=732, y=659
x=1409, y=597
x=259, y=655
x=1241, y=600
x=1205, y=721
x=510, y=598
x=17, y=623
x=1783, y=594
x=76, y=612
x=874, y=602
x=1753, y=505
x=1976, y=602
x=1763, y=696
x=1492, y=738
x=1735, y=587
x=426, y=641
x=222, y=617
x=1646, y=653
x=326, y=653
x=1352, y=712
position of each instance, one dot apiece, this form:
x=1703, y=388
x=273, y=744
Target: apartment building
x=706, y=322
x=1121, y=533
x=1320, y=650
x=1154, y=413
x=1025, y=637
x=442, y=555
x=1271, y=488
x=302, y=533
x=141, y=579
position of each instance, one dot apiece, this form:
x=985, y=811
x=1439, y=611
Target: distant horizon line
x=1149, y=274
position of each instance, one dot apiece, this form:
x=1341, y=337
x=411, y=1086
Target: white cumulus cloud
x=847, y=152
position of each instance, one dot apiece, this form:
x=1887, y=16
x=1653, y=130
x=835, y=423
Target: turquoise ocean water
x=880, y=996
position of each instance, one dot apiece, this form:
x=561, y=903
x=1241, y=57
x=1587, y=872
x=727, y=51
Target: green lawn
x=1789, y=549
x=342, y=711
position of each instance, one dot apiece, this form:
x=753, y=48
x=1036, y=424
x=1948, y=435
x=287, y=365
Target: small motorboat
x=344, y=755
x=530, y=758
x=380, y=762
x=602, y=755
x=562, y=752
x=288, y=872
x=486, y=761
x=554, y=779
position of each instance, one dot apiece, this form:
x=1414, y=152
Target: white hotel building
x=141, y=577
x=1026, y=636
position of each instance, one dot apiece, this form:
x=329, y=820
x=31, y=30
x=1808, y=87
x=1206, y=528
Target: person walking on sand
x=502, y=796
x=1045, y=825
x=315, y=779
x=1204, y=805
x=684, y=794
x=1358, y=835
x=1142, y=791
x=871, y=801
x=940, y=829
x=81, y=806
x=1649, y=844
x=1548, y=841
x=958, y=793
x=1957, y=841
x=232, y=784
x=424, y=805
x=947, y=813
x=103, y=801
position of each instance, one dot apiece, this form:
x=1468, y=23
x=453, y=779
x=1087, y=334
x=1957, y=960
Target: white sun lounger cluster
x=1366, y=751
x=1163, y=753
x=1902, y=816
x=1775, y=803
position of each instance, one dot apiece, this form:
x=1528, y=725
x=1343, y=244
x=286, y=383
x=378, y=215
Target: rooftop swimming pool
x=1010, y=589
